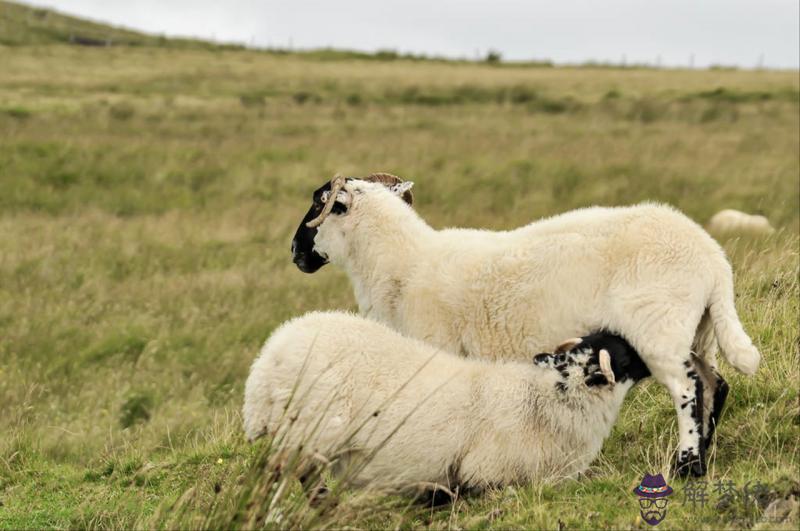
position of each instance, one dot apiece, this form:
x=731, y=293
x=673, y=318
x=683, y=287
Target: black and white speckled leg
x=686, y=390
x=715, y=391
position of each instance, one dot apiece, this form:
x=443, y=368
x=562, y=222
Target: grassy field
x=148, y=196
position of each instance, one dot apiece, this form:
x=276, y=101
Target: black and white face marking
x=303, y=254
x=584, y=353
x=573, y=364
x=625, y=361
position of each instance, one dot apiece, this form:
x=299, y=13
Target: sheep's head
x=332, y=204
x=617, y=360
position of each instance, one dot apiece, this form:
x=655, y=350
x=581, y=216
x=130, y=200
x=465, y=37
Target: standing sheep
x=394, y=412
x=646, y=272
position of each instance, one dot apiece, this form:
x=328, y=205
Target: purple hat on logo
x=653, y=487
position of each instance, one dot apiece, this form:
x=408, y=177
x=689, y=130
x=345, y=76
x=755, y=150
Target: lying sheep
x=646, y=272
x=394, y=412
x=731, y=221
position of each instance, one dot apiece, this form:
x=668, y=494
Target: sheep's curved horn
x=389, y=180
x=337, y=183
x=605, y=366
x=569, y=344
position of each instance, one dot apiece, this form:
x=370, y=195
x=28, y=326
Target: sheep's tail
x=734, y=342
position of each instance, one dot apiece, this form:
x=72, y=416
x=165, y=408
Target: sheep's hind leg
x=720, y=395
x=715, y=393
x=715, y=388
x=686, y=389
x=663, y=333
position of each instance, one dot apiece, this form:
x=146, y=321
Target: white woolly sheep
x=731, y=221
x=646, y=272
x=402, y=413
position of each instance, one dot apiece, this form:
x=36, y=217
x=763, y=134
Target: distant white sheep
x=402, y=413
x=646, y=272
x=731, y=221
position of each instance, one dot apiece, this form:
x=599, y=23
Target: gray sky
x=730, y=32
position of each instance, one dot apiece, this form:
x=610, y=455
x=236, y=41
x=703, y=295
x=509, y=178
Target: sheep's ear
x=393, y=183
x=403, y=189
x=568, y=345
x=605, y=366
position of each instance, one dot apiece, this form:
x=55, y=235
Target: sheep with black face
x=646, y=272
x=401, y=413
x=304, y=253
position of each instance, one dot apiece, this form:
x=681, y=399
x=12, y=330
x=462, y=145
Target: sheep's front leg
x=686, y=389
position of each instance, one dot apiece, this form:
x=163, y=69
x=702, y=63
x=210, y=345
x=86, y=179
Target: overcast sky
x=745, y=33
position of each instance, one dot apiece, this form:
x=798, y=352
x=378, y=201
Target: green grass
x=148, y=195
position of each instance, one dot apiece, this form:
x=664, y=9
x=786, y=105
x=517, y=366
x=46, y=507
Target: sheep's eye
x=338, y=208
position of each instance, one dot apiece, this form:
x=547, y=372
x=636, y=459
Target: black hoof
x=689, y=464
x=436, y=497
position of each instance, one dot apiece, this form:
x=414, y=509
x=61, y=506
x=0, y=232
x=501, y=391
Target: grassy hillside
x=26, y=25
x=147, y=200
